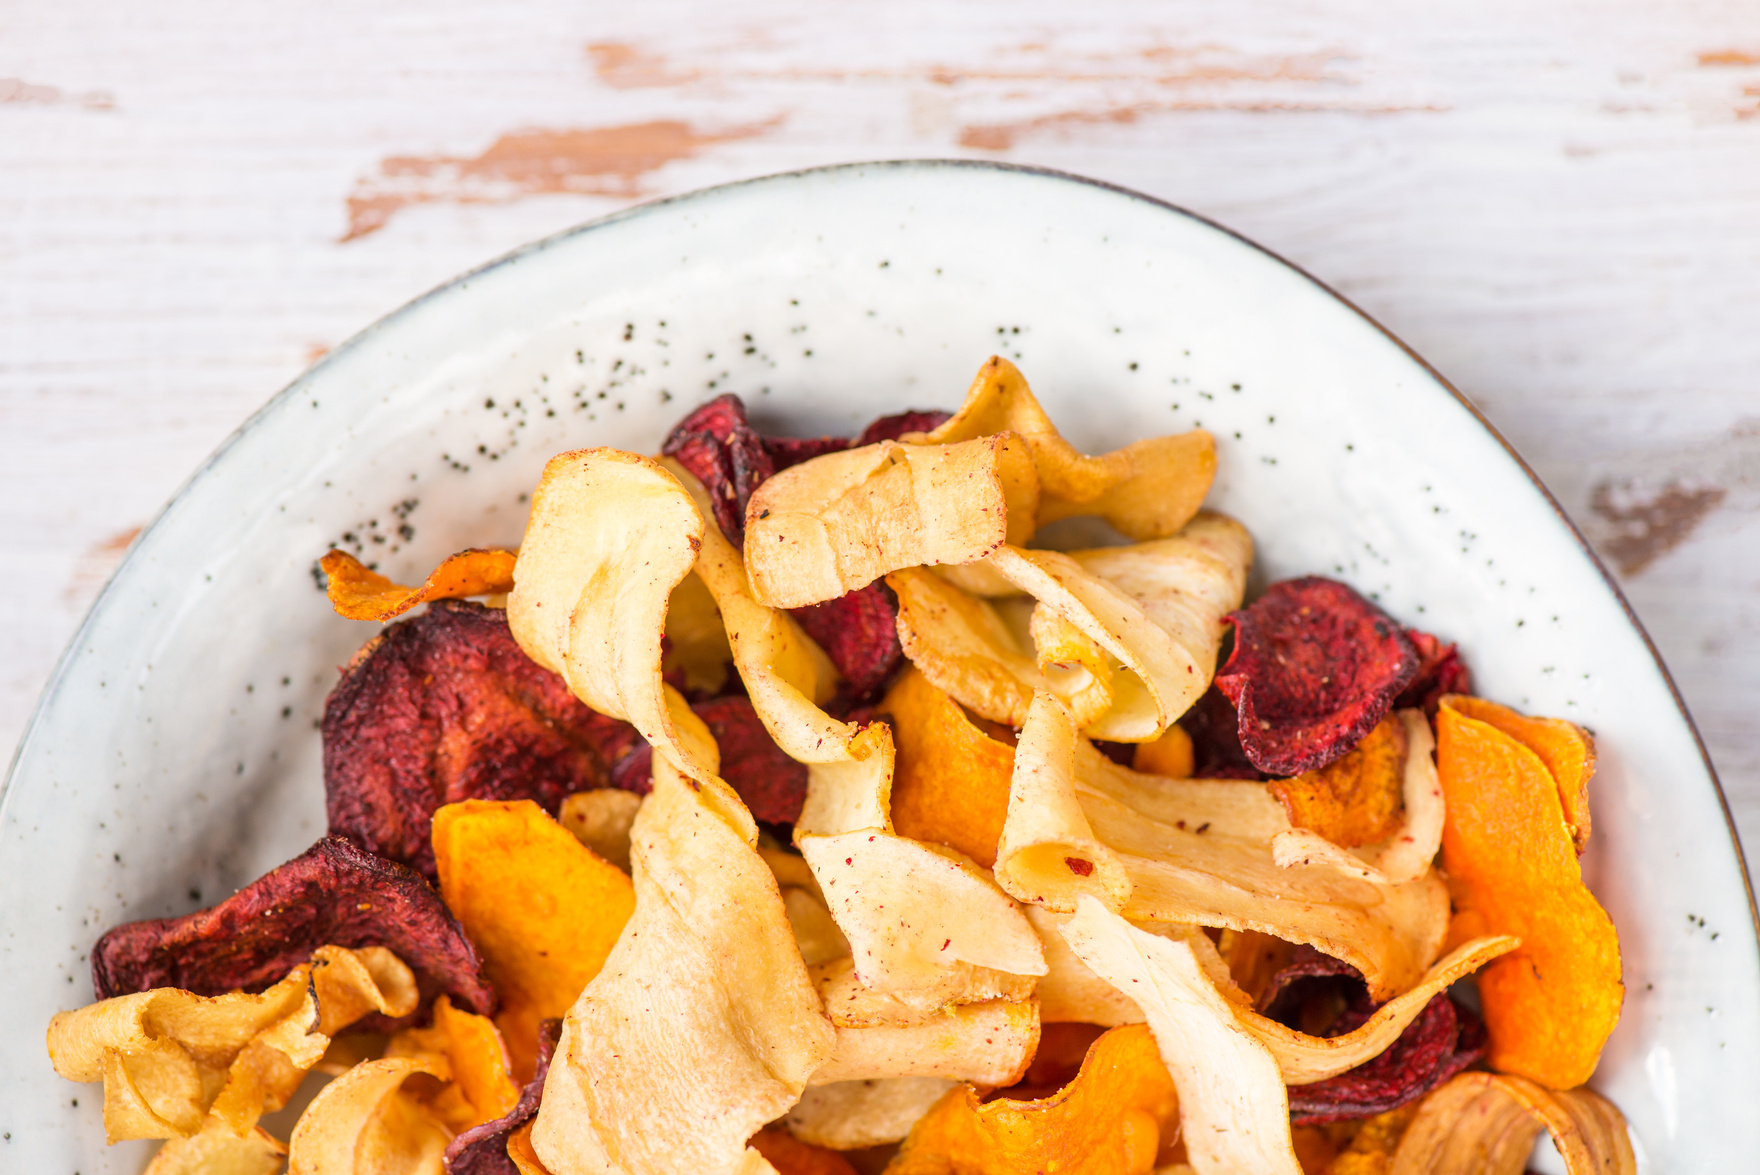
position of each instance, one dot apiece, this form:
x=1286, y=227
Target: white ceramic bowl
x=174, y=757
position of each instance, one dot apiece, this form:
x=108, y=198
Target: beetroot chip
x=859, y=632
x=1315, y=666
x=890, y=428
x=1323, y=996
x=1440, y=671
x=446, y=707
x=1441, y=1041
x=482, y=1150
x=1214, y=728
x=333, y=894
x=787, y=451
x=773, y=785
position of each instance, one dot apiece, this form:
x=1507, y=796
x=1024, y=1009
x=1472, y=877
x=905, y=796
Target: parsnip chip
x=841, y=521
x=990, y=1043
x=912, y=910
x=358, y=593
x=611, y=535
x=1234, y=1111
x=1048, y=855
x=1200, y=851
x=961, y=644
x=1512, y=865
x=1146, y=490
x=215, y=1150
x=1485, y=1124
x=848, y=1115
x=541, y=907
x=953, y=779
x=696, y=637
x=466, y=1052
x=365, y=1121
x=850, y=1004
x=1110, y=1120
x=600, y=818
x=169, y=1058
x=702, y=1026
x=815, y=932
x=1070, y=992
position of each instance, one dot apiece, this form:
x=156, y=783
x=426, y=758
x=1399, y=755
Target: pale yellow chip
x=1486, y=1123
x=1200, y=851
x=367, y=1121
x=696, y=636
x=961, y=643
x=216, y=1150
x=815, y=932
x=1147, y=490
x=1070, y=992
x=851, y=1004
x=1049, y=855
x=1233, y=1107
x=848, y=1115
x=169, y=1058
x=600, y=818
x=611, y=535
x=836, y=523
x=989, y=1044
x=703, y=1025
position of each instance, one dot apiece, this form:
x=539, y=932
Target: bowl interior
x=175, y=756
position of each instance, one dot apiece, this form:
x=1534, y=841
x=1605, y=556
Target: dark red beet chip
x=1441, y=1041
x=1214, y=728
x=1315, y=666
x=859, y=632
x=334, y=894
x=1440, y=671
x=445, y=707
x=1323, y=996
x=890, y=428
x=787, y=451
x=482, y=1150
x=773, y=785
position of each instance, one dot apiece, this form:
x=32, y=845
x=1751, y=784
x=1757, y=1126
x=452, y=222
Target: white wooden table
x=1557, y=202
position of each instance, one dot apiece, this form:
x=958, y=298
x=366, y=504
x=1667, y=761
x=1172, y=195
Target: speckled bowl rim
x=256, y=419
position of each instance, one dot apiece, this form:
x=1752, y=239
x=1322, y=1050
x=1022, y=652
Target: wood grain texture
x=1557, y=203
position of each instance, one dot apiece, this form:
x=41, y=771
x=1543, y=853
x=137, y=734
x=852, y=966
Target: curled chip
x=359, y=593
x=1233, y=1108
x=367, y=1120
x=445, y=707
x=1315, y=667
x=466, y=1054
x=717, y=443
x=1443, y=1040
x=1354, y=800
x=216, y=1150
x=859, y=632
x=952, y=781
x=840, y=522
x=988, y=1043
x=702, y=1027
x=1485, y=1124
x=1512, y=869
x=482, y=1149
x=335, y=893
x=1147, y=490
x=172, y=1059
x=541, y=907
x=1112, y=1119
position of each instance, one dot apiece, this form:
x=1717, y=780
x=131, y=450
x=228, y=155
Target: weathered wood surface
x=1557, y=203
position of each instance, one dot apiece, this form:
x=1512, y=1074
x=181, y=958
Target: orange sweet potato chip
x=1565, y=748
x=790, y=1156
x=1355, y=800
x=359, y=593
x=951, y=781
x=1170, y=755
x=519, y=1149
x=540, y=906
x=1550, y=1004
x=1111, y=1120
